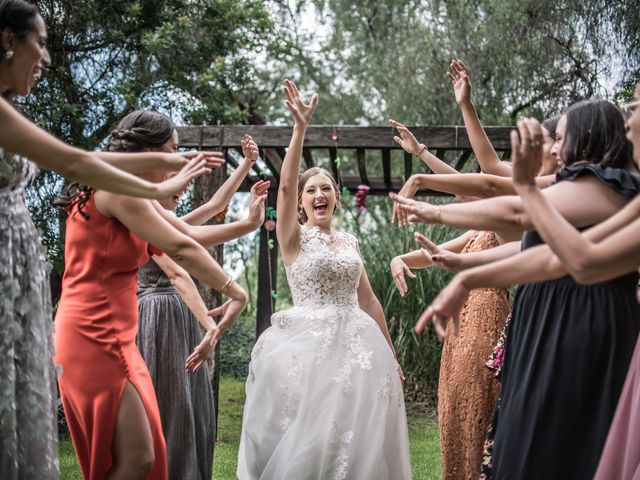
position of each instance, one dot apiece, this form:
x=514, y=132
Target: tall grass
x=380, y=241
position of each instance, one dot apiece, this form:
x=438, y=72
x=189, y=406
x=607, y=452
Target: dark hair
x=20, y=17
x=550, y=125
x=139, y=130
x=135, y=132
x=596, y=134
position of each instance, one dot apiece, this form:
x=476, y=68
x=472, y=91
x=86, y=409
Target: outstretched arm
x=477, y=185
x=480, y=143
x=222, y=197
x=287, y=226
x=141, y=162
x=583, y=202
x=587, y=261
x=20, y=136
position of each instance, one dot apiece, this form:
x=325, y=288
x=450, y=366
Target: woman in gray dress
x=28, y=430
x=172, y=315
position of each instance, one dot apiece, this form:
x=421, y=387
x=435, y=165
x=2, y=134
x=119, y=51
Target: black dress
x=566, y=358
x=167, y=334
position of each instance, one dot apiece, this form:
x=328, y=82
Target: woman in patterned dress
x=28, y=428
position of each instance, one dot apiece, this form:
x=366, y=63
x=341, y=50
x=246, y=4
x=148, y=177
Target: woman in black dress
x=569, y=345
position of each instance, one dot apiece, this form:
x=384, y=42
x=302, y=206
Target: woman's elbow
x=181, y=250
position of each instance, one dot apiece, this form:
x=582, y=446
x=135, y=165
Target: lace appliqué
x=292, y=392
x=340, y=440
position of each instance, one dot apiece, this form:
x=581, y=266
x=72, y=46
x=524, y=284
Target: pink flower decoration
x=361, y=196
x=270, y=225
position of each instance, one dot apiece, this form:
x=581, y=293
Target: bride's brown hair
x=302, y=182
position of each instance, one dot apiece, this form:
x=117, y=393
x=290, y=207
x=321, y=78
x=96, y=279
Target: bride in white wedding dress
x=324, y=395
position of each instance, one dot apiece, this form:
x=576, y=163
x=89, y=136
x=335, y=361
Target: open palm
x=302, y=112
x=459, y=76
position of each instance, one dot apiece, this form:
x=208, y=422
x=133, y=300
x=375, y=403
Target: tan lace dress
x=467, y=390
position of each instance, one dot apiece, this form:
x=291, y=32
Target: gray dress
x=28, y=427
x=167, y=334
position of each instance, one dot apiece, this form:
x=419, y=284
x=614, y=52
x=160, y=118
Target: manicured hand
x=418, y=212
x=408, y=190
x=444, y=308
x=176, y=161
x=439, y=256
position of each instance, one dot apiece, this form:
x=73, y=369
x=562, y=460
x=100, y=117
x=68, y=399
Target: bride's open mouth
x=320, y=207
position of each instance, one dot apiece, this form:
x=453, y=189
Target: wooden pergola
x=355, y=155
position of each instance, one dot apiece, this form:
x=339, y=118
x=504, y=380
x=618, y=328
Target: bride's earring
x=9, y=54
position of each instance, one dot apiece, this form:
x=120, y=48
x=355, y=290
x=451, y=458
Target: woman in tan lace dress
x=467, y=391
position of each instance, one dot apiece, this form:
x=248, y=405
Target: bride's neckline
x=331, y=233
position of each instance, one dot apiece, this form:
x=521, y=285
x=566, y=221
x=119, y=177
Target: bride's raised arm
x=287, y=226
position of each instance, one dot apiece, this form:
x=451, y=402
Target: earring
x=9, y=54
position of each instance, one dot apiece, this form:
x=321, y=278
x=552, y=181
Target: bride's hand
x=302, y=112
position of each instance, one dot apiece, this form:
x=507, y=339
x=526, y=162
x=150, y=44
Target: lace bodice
x=327, y=269
x=15, y=172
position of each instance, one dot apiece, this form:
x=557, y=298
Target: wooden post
x=267, y=272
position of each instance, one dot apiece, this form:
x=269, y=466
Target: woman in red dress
x=105, y=386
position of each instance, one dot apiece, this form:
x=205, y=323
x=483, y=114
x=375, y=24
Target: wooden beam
x=267, y=273
x=308, y=157
x=463, y=159
x=408, y=166
x=273, y=161
x=440, y=153
x=386, y=166
x=506, y=155
x=362, y=165
x=321, y=136
x=333, y=155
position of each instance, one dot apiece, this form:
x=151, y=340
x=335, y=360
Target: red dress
x=95, y=330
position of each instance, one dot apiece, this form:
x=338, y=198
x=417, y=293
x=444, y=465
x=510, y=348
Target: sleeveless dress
x=566, y=357
x=324, y=399
x=28, y=427
x=167, y=334
x=467, y=391
x=96, y=326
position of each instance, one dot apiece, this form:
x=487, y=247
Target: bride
x=324, y=394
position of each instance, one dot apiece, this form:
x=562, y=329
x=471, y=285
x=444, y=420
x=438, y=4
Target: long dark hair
x=550, y=124
x=137, y=131
x=20, y=17
x=596, y=134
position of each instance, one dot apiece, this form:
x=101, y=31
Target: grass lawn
x=423, y=436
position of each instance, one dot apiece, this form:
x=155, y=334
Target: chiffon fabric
x=28, y=427
x=96, y=326
x=566, y=357
x=167, y=334
x=324, y=398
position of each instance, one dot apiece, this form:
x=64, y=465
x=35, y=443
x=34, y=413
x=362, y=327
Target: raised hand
x=249, y=148
x=257, y=207
x=398, y=271
x=177, y=183
x=445, y=307
x=406, y=139
x=207, y=345
x=526, y=152
x=439, y=256
x=302, y=112
x=417, y=212
x=459, y=76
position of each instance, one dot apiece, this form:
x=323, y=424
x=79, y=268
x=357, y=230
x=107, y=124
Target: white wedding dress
x=324, y=399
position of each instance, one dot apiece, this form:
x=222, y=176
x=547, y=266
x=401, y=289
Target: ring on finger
x=535, y=143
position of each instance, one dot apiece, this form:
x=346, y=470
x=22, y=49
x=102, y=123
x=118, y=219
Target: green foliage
x=236, y=345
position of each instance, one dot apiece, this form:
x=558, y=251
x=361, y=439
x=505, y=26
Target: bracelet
x=423, y=147
x=438, y=214
x=227, y=284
